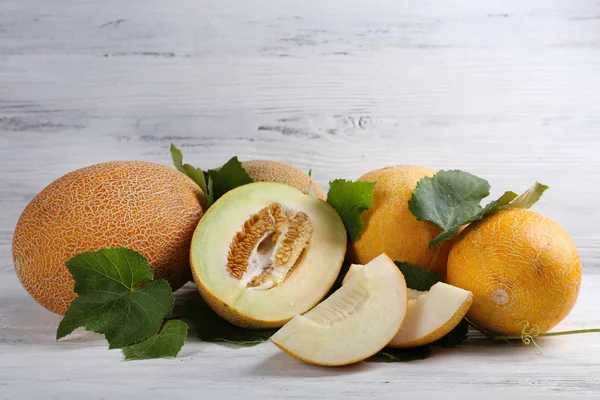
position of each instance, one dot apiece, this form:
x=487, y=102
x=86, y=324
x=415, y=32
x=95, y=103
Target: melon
x=522, y=268
x=389, y=227
x=354, y=323
x=273, y=171
x=265, y=252
x=431, y=314
x=146, y=207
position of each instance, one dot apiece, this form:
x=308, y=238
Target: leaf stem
x=561, y=333
x=435, y=257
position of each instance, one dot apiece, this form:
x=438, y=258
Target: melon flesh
x=431, y=314
x=354, y=323
x=287, y=291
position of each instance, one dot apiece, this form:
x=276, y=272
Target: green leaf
x=196, y=174
x=210, y=327
x=214, y=183
x=456, y=336
x=530, y=197
x=401, y=355
x=496, y=205
x=451, y=199
x=228, y=177
x=418, y=278
x=350, y=199
x=210, y=197
x=116, y=296
x=167, y=343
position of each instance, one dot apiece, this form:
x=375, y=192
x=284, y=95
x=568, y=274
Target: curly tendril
x=528, y=333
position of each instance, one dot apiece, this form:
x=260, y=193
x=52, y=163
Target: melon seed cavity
x=267, y=248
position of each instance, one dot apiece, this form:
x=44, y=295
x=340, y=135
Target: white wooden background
x=508, y=90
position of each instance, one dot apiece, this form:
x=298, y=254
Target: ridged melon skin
x=521, y=266
x=390, y=227
x=144, y=206
x=273, y=171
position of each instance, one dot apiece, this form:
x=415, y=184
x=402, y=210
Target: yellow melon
x=520, y=266
x=147, y=207
x=390, y=227
x=273, y=171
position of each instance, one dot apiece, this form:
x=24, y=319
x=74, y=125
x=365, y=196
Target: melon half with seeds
x=265, y=252
x=352, y=324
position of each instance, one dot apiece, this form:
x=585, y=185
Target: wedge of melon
x=352, y=324
x=431, y=314
x=266, y=252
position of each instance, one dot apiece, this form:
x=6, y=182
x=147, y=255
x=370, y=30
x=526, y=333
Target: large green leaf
x=116, y=296
x=451, y=199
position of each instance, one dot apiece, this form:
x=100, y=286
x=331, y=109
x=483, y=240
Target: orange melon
x=273, y=171
x=390, y=227
x=520, y=266
x=147, y=207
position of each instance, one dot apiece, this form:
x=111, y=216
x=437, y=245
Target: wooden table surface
x=508, y=90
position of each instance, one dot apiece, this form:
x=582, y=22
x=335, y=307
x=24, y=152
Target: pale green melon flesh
x=355, y=322
x=311, y=278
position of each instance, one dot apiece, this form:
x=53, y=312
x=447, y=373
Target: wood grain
x=507, y=90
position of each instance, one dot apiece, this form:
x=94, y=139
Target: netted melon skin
x=273, y=171
x=143, y=206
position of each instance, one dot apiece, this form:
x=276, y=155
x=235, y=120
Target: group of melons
x=265, y=255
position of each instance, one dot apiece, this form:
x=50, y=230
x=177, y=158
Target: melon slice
x=431, y=314
x=265, y=252
x=352, y=324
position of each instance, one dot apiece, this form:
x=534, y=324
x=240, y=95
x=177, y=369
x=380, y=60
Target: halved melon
x=265, y=252
x=431, y=314
x=352, y=324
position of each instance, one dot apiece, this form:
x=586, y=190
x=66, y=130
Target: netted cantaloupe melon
x=273, y=171
x=146, y=207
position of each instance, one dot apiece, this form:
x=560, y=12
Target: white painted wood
x=505, y=89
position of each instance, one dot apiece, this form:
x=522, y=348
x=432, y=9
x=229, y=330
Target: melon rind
x=305, y=287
